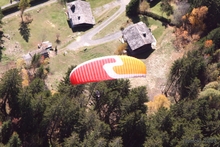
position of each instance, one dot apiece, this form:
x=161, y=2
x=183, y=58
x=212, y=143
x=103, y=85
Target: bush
x=144, y=20
x=121, y=49
x=213, y=85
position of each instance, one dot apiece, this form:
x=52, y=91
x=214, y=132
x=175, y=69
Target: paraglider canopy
x=108, y=68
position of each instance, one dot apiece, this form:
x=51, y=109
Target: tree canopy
x=113, y=113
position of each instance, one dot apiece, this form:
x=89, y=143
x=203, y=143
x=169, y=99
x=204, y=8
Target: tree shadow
x=58, y=41
x=134, y=19
x=1, y=48
x=24, y=30
x=1, y=45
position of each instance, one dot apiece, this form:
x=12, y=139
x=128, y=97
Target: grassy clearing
x=60, y=63
x=98, y=3
x=4, y=2
x=156, y=27
x=156, y=10
x=113, y=26
x=50, y=21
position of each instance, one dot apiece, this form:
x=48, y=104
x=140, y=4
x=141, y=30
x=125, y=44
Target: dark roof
x=80, y=12
x=137, y=35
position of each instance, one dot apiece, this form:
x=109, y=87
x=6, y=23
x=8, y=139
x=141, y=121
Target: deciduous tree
x=194, y=22
x=158, y=102
x=23, y=4
x=121, y=49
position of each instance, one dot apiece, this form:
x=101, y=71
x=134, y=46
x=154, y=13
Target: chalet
x=79, y=13
x=43, y=50
x=138, y=37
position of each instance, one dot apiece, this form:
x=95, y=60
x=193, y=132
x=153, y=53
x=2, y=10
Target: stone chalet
x=138, y=37
x=43, y=50
x=80, y=14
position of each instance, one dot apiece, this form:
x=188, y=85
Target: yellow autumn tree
x=194, y=22
x=121, y=48
x=25, y=77
x=158, y=102
x=20, y=63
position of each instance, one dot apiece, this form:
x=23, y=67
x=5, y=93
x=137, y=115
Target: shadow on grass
x=24, y=31
x=153, y=3
x=1, y=48
x=14, y=8
x=1, y=43
x=142, y=55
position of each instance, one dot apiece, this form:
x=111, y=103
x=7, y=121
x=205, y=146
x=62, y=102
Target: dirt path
x=158, y=65
x=49, y=2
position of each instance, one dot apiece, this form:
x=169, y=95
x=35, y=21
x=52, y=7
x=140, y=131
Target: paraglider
x=108, y=68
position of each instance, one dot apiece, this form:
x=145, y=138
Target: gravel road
x=86, y=39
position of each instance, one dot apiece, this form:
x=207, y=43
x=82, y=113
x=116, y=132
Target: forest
x=111, y=113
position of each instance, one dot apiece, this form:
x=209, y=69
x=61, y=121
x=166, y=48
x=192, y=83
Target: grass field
x=106, y=14
x=46, y=24
x=156, y=27
x=98, y=3
x=49, y=22
x=156, y=10
x=4, y=2
x=113, y=26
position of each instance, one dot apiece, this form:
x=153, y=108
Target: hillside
x=178, y=104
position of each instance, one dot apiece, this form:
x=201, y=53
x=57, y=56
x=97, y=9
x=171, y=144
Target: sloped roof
x=137, y=35
x=80, y=12
x=42, y=50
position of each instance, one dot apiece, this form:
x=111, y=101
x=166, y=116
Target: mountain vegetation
x=111, y=113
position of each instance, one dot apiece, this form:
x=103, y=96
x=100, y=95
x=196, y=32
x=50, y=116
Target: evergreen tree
x=65, y=87
x=132, y=8
x=72, y=141
x=188, y=123
x=186, y=75
x=10, y=86
x=132, y=124
x=14, y=141
x=36, y=86
x=6, y=131
x=116, y=142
